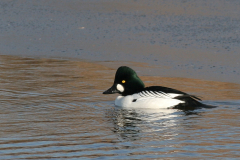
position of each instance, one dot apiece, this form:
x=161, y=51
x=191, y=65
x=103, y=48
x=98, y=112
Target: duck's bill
x=111, y=90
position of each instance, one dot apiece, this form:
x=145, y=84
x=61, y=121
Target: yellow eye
x=123, y=81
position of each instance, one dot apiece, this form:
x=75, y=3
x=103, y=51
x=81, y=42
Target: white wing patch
x=173, y=95
x=158, y=94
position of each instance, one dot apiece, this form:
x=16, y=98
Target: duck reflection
x=135, y=124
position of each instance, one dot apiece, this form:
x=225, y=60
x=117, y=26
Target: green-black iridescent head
x=126, y=82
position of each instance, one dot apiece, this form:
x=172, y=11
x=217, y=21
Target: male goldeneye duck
x=135, y=95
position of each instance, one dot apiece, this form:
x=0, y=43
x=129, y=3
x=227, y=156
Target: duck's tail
x=191, y=102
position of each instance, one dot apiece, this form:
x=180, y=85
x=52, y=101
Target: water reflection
x=39, y=80
x=129, y=124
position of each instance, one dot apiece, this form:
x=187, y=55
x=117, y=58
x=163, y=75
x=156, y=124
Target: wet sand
x=188, y=39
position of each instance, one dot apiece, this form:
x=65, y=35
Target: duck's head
x=126, y=82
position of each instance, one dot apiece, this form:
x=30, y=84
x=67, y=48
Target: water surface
x=191, y=38
x=54, y=109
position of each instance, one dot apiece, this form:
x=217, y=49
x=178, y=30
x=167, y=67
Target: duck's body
x=135, y=95
x=136, y=101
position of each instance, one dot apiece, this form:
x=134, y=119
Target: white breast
x=148, y=100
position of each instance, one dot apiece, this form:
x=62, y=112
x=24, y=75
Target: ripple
x=54, y=109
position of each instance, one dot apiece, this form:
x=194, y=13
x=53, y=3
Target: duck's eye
x=123, y=81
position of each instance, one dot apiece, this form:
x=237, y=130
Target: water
x=54, y=109
x=191, y=38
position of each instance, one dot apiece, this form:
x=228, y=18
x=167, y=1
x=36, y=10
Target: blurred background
x=183, y=38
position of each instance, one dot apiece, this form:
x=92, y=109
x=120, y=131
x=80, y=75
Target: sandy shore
x=196, y=39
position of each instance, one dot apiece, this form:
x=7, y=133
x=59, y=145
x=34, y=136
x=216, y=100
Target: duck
x=134, y=94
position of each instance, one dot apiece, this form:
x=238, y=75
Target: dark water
x=54, y=109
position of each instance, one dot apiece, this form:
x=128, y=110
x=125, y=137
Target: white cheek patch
x=120, y=88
